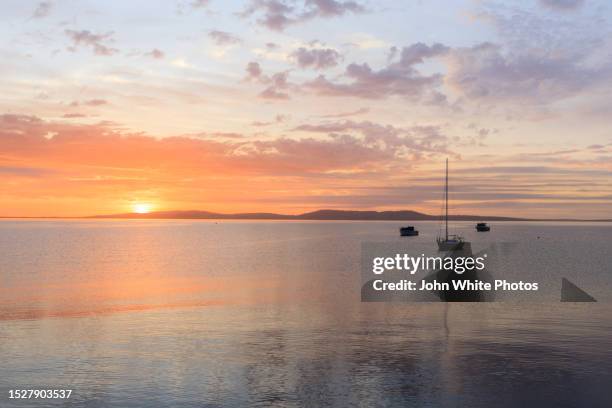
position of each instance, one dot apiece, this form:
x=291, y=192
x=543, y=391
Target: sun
x=141, y=208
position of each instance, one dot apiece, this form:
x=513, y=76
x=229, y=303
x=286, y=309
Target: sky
x=291, y=106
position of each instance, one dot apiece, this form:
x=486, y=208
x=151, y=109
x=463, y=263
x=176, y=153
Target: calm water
x=181, y=313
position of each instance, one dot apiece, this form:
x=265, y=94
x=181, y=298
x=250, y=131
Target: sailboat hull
x=450, y=245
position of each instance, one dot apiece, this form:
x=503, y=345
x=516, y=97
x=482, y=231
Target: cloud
x=277, y=119
x=43, y=9
x=73, y=115
x=188, y=6
x=273, y=14
x=253, y=70
x=418, y=52
x=316, y=58
x=277, y=88
x=563, y=5
x=278, y=14
x=223, y=39
x=273, y=94
x=106, y=149
x=95, y=102
x=315, y=155
x=344, y=144
x=86, y=38
x=540, y=61
x=536, y=61
x=345, y=163
x=258, y=123
x=357, y=112
x=329, y=8
x=397, y=78
x=200, y=3
x=90, y=102
x=417, y=139
x=277, y=84
x=281, y=118
x=155, y=53
x=24, y=171
x=487, y=71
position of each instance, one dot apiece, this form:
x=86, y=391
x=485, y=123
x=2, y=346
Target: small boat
x=448, y=242
x=408, y=231
x=482, y=227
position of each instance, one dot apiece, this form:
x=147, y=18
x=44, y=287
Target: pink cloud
x=86, y=38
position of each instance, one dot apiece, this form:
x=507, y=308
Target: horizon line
x=315, y=215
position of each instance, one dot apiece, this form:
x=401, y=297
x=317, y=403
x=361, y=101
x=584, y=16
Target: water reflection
x=282, y=327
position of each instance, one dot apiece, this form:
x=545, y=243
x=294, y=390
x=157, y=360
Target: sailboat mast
x=446, y=199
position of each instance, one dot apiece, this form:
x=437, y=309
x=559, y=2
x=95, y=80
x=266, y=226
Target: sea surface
x=181, y=313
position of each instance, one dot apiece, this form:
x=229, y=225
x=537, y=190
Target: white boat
x=448, y=242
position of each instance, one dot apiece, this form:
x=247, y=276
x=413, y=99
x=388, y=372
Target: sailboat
x=448, y=242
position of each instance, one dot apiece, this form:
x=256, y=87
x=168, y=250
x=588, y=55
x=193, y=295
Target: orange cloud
x=88, y=169
x=66, y=169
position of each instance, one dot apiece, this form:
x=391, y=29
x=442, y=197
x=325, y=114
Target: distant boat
x=482, y=227
x=408, y=231
x=448, y=242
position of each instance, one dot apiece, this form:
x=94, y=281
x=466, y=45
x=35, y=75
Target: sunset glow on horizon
x=112, y=107
x=141, y=208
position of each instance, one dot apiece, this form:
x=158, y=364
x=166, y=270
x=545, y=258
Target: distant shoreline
x=320, y=215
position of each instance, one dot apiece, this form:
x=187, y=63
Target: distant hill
x=331, y=215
